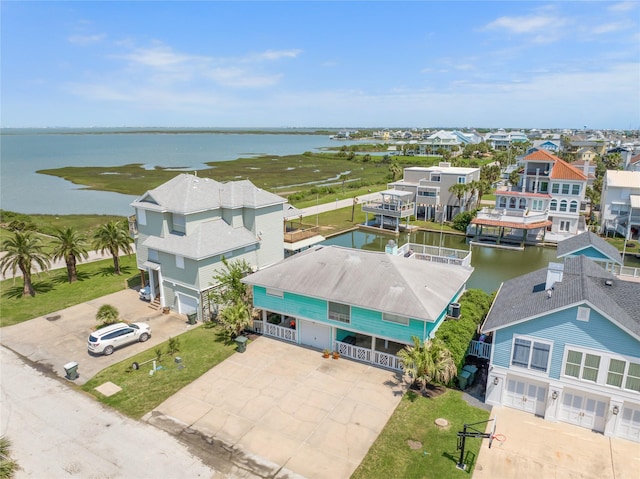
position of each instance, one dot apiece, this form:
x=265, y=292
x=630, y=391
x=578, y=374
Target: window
x=339, y=312
x=537, y=205
x=575, y=189
x=435, y=177
x=563, y=205
x=275, y=292
x=179, y=261
x=178, y=223
x=564, y=226
x=544, y=187
x=142, y=216
x=394, y=318
x=522, y=204
x=555, y=188
x=512, y=202
x=462, y=180
x=633, y=377
x=531, y=354
x=581, y=365
x=565, y=188
x=554, y=205
x=503, y=202
x=616, y=372
x=152, y=255
x=573, y=207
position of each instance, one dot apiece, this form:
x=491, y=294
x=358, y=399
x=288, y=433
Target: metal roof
x=373, y=280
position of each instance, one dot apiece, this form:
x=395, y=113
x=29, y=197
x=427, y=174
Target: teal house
x=593, y=247
x=365, y=305
x=566, y=343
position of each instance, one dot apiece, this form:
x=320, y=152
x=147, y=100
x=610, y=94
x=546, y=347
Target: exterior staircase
x=155, y=304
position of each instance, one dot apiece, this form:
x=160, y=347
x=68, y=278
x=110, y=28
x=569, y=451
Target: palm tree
x=343, y=178
x=22, y=250
x=113, y=237
x=107, y=314
x=70, y=245
x=235, y=318
x=459, y=190
x=396, y=170
x=428, y=361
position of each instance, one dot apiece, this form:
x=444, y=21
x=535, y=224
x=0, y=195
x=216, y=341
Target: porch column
x=162, y=298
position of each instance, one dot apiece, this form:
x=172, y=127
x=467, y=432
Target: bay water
x=25, y=151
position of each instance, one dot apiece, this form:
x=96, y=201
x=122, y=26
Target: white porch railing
x=257, y=326
x=628, y=271
x=276, y=331
x=479, y=349
x=368, y=356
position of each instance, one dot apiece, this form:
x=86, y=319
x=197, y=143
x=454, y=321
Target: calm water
x=492, y=265
x=24, y=151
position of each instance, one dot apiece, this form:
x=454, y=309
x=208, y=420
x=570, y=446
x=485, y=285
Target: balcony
x=395, y=210
x=513, y=217
x=435, y=254
x=300, y=236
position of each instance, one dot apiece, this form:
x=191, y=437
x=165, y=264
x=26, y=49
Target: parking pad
x=288, y=408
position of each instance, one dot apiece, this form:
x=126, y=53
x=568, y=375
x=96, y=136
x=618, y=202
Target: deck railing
x=302, y=233
x=436, y=254
x=280, y=332
x=368, y=356
x=479, y=349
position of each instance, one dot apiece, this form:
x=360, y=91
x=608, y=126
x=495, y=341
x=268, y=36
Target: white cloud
x=526, y=24
x=622, y=7
x=610, y=27
x=277, y=54
x=86, y=39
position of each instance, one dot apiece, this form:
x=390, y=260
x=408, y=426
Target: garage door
x=583, y=410
x=629, y=427
x=315, y=335
x=187, y=304
x=525, y=395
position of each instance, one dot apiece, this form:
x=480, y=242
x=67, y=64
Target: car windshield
x=134, y=326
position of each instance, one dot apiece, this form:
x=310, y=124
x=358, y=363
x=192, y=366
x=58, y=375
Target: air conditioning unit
x=454, y=310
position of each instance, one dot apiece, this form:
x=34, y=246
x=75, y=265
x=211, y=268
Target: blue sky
x=321, y=64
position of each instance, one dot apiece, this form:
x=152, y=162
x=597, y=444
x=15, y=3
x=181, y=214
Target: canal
x=492, y=265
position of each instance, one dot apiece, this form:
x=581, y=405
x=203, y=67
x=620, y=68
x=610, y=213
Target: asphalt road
x=58, y=432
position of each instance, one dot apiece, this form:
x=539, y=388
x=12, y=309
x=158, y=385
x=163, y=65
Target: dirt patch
x=431, y=391
x=415, y=445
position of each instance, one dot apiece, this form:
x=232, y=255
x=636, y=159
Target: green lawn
x=413, y=420
x=54, y=292
x=200, y=349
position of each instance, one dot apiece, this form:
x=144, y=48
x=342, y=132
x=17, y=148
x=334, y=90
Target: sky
x=334, y=64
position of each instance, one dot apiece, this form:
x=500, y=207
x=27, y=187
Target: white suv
x=106, y=339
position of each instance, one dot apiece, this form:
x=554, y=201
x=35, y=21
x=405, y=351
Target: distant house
x=620, y=203
x=502, y=140
x=544, y=205
x=566, y=347
x=549, y=145
x=440, y=140
x=185, y=228
x=429, y=188
x=588, y=168
x=365, y=305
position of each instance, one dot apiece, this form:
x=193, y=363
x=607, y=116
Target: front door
x=583, y=410
x=526, y=396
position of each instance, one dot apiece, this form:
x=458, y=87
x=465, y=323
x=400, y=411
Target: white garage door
x=629, y=427
x=315, y=335
x=187, y=304
x=583, y=410
x=526, y=396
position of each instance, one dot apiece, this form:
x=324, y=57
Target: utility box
x=192, y=318
x=463, y=379
x=454, y=310
x=241, y=343
x=71, y=370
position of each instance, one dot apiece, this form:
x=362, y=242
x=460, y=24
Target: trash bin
x=472, y=371
x=192, y=318
x=463, y=379
x=71, y=370
x=241, y=343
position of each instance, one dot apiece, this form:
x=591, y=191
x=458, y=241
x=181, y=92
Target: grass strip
x=413, y=420
x=200, y=349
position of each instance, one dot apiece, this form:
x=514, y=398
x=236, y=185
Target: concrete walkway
x=286, y=410
x=537, y=449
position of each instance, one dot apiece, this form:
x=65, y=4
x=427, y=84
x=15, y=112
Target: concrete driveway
x=58, y=338
x=535, y=449
x=285, y=410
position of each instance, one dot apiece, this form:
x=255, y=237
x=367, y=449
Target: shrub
x=107, y=314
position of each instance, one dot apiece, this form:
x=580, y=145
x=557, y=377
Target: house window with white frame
x=394, y=318
x=602, y=368
x=435, y=177
x=531, y=354
x=339, y=312
x=555, y=188
x=462, y=180
x=573, y=207
x=563, y=205
x=554, y=205
x=582, y=365
x=565, y=188
x=178, y=223
x=575, y=190
x=537, y=205
x=179, y=261
x=503, y=202
x=152, y=255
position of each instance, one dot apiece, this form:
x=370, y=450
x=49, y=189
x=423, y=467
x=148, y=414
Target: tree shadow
x=15, y=292
x=110, y=271
x=468, y=460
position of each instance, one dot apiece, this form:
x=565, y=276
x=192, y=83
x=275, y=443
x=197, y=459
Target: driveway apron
x=287, y=409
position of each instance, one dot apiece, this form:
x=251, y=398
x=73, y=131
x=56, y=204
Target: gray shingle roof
x=210, y=238
x=189, y=194
x=584, y=281
x=585, y=240
x=373, y=280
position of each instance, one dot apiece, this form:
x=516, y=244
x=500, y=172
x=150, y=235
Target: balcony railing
x=367, y=355
x=436, y=254
x=513, y=216
x=396, y=210
x=301, y=233
x=280, y=332
x=479, y=349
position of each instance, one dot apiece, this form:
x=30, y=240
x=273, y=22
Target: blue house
x=593, y=247
x=566, y=346
x=365, y=305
